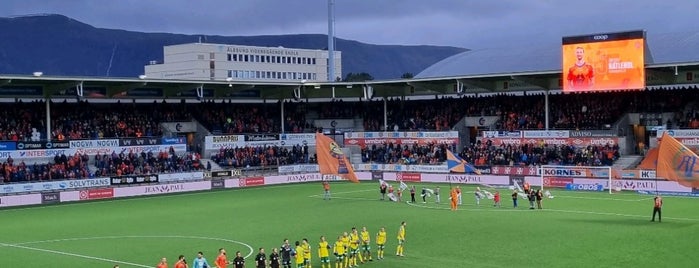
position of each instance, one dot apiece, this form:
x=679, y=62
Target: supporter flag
x=331, y=159
x=403, y=186
x=457, y=164
x=677, y=163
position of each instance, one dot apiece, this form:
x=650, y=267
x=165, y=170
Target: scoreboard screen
x=608, y=61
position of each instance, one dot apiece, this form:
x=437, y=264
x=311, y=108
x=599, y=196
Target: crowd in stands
x=84, y=120
x=228, y=118
x=115, y=164
x=21, y=121
x=485, y=153
x=18, y=119
x=430, y=154
x=521, y=112
x=130, y=163
x=63, y=167
x=261, y=156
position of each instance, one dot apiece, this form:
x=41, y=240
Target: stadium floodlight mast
x=572, y=172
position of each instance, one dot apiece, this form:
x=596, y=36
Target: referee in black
x=657, y=208
x=286, y=254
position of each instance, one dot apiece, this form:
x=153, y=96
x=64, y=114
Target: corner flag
x=331, y=159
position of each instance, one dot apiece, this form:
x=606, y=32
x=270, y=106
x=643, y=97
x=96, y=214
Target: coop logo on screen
x=563, y=172
x=601, y=37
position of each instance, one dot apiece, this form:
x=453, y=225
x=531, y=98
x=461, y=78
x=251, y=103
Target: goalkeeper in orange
x=454, y=196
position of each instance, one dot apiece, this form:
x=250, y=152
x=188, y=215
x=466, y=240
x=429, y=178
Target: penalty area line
x=348, y=192
x=74, y=255
x=551, y=210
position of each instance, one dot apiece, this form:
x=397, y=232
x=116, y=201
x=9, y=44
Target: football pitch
x=575, y=229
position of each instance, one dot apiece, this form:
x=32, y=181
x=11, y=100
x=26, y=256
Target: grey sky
x=464, y=23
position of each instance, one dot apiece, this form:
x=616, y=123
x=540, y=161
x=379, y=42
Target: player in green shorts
x=324, y=253
x=339, y=251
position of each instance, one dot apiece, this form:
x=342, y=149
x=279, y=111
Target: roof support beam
x=478, y=84
x=663, y=76
x=539, y=82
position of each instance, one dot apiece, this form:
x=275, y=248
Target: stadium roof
x=672, y=60
x=666, y=50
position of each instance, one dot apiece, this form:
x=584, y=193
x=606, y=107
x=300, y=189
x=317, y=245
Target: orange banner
x=678, y=163
x=606, y=65
x=331, y=159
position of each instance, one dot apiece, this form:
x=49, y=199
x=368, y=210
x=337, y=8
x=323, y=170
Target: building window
x=278, y=59
x=200, y=57
x=230, y=57
x=303, y=60
x=212, y=56
x=263, y=58
x=258, y=75
x=314, y=76
x=230, y=73
x=314, y=61
x=257, y=58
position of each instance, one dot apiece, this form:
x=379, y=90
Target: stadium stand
x=227, y=118
x=85, y=120
x=482, y=154
x=432, y=154
x=62, y=167
x=256, y=156
x=146, y=163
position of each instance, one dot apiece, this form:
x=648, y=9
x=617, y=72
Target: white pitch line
x=348, y=192
x=600, y=198
x=136, y=236
x=139, y=198
x=75, y=255
x=552, y=210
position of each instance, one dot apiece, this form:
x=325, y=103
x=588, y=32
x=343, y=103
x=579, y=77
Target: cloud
x=473, y=24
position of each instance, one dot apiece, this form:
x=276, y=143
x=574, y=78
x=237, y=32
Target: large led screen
x=611, y=61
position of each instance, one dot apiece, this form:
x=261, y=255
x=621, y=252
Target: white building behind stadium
x=203, y=61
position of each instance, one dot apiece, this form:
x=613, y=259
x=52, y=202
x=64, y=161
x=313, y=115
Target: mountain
x=58, y=45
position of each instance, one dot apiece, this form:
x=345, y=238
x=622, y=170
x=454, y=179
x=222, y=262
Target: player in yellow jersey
x=346, y=242
x=380, y=242
x=366, y=246
x=306, y=253
x=299, y=255
x=354, y=248
x=401, y=239
x=340, y=253
x=324, y=253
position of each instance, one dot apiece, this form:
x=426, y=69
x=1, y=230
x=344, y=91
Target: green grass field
x=576, y=229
